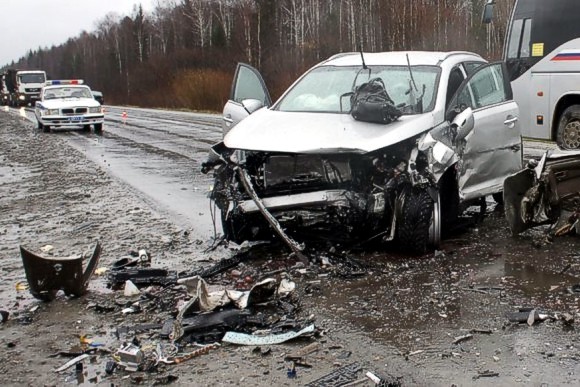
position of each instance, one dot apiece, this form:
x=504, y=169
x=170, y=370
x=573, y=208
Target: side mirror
x=251, y=105
x=487, y=16
x=463, y=124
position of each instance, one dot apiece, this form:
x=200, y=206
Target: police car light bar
x=65, y=82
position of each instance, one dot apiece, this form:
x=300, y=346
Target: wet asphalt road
x=159, y=154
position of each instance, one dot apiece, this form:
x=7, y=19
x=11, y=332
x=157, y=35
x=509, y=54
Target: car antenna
x=362, y=57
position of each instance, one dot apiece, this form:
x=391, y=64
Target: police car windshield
x=67, y=92
x=325, y=88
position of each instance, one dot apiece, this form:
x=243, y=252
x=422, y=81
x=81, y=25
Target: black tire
x=415, y=221
x=568, y=135
x=98, y=128
x=235, y=229
x=86, y=128
x=46, y=128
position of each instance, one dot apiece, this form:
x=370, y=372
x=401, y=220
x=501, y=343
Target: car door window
x=249, y=85
x=486, y=87
x=456, y=78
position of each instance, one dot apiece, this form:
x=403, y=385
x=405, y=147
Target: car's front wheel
x=46, y=128
x=98, y=128
x=86, y=128
x=419, y=226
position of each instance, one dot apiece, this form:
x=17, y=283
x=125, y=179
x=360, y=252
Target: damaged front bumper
x=333, y=198
x=547, y=192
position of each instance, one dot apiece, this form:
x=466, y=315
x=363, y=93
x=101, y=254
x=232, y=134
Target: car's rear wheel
x=568, y=136
x=98, y=128
x=419, y=227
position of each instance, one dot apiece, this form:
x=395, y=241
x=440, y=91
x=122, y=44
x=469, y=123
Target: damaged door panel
x=306, y=167
x=545, y=193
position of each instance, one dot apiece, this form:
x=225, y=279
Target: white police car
x=68, y=103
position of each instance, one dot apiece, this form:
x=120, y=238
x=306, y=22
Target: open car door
x=492, y=151
x=248, y=94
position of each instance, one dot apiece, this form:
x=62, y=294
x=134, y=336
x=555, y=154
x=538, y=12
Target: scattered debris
x=460, y=339
x=72, y=362
x=527, y=315
x=486, y=374
x=130, y=357
x=142, y=277
x=338, y=377
x=244, y=339
x=4, y=316
x=47, y=275
x=302, y=352
x=130, y=289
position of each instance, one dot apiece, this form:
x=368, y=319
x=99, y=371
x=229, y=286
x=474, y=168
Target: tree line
x=183, y=53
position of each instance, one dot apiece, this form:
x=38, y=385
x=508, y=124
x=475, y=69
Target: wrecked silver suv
x=306, y=166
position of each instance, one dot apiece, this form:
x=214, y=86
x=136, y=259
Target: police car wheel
x=46, y=128
x=86, y=128
x=98, y=128
x=568, y=136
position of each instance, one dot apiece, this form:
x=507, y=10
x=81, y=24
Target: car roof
x=394, y=58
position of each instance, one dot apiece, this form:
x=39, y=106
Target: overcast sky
x=29, y=24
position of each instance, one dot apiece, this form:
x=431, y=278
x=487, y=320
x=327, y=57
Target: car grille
x=79, y=110
x=299, y=172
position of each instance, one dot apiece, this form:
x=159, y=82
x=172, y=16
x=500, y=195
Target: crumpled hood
x=296, y=132
x=69, y=103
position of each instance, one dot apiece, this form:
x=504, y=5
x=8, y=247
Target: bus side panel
x=522, y=90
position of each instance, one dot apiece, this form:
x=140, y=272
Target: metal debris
x=244, y=339
x=339, y=377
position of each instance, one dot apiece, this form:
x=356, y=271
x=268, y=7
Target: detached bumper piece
x=47, y=275
x=142, y=277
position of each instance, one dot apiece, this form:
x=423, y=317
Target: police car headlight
x=95, y=109
x=49, y=112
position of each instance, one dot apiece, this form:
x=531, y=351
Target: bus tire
x=568, y=135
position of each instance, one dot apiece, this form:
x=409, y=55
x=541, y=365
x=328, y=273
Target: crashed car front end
x=336, y=196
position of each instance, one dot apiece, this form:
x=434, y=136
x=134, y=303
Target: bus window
x=515, y=37
x=526, y=39
x=520, y=39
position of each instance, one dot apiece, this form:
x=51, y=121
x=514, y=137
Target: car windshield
x=32, y=78
x=67, y=92
x=326, y=88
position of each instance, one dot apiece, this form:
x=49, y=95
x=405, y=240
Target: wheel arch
x=563, y=103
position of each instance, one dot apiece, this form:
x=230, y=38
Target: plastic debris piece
x=130, y=289
x=304, y=351
x=4, y=316
x=72, y=362
x=244, y=339
x=47, y=275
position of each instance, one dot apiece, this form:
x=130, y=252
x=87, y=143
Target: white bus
x=542, y=52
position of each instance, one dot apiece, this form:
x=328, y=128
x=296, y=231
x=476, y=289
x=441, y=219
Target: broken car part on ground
x=315, y=170
x=546, y=192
